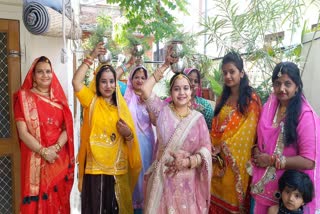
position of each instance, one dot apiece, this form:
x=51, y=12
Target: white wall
x=311, y=74
x=33, y=46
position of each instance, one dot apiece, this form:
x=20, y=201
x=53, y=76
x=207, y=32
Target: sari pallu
x=264, y=187
x=45, y=187
x=188, y=190
x=145, y=134
x=235, y=134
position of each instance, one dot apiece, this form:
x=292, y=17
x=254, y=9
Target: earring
x=34, y=84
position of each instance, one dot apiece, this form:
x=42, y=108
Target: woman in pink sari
x=178, y=181
x=141, y=117
x=288, y=138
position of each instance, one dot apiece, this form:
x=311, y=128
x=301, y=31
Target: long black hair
x=106, y=68
x=297, y=180
x=245, y=91
x=295, y=103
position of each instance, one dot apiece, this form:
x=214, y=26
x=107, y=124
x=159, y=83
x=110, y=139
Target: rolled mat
x=43, y=20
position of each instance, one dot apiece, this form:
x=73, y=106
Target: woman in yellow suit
x=109, y=156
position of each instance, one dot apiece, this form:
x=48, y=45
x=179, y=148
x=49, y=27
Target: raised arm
x=124, y=67
x=148, y=85
x=78, y=78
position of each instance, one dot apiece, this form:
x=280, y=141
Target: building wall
x=310, y=73
x=33, y=46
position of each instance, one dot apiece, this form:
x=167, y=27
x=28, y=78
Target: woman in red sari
x=45, y=129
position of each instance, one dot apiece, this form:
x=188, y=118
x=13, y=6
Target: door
x=9, y=149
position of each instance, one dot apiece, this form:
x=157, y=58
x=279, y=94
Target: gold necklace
x=279, y=115
x=41, y=92
x=181, y=116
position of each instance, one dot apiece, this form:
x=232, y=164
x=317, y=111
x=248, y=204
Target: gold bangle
x=57, y=146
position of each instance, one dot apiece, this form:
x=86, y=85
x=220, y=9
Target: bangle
x=88, y=56
x=154, y=76
x=86, y=64
x=199, y=159
x=87, y=61
x=283, y=161
x=57, y=146
x=43, y=152
x=272, y=160
x=124, y=68
x=129, y=138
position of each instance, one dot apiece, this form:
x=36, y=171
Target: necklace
x=41, y=92
x=181, y=116
x=280, y=114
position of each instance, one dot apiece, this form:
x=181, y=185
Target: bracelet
x=193, y=161
x=57, y=146
x=199, y=159
x=283, y=161
x=88, y=56
x=86, y=64
x=87, y=61
x=43, y=152
x=124, y=68
x=154, y=76
x=129, y=138
x=272, y=160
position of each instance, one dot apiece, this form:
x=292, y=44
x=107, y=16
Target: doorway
x=10, y=72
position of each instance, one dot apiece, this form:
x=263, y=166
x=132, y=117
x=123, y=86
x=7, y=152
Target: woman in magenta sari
x=288, y=138
x=178, y=181
x=141, y=117
x=45, y=129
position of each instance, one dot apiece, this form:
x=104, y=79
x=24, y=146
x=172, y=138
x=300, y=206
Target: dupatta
x=30, y=112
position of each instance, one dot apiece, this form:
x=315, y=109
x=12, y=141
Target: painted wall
x=310, y=73
x=33, y=46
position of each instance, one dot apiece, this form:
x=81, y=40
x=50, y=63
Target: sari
x=235, y=134
x=264, y=187
x=188, y=190
x=145, y=134
x=104, y=153
x=45, y=187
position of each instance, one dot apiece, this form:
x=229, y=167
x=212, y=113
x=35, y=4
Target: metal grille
x=6, y=185
x=4, y=95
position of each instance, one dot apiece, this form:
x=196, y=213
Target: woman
x=288, y=138
x=233, y=133
x=45, y=129
x=178, y=181
x=141, y=117
x=109, y=157
x=197, y=102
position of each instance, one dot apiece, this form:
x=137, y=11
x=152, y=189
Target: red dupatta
x=33, y=172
